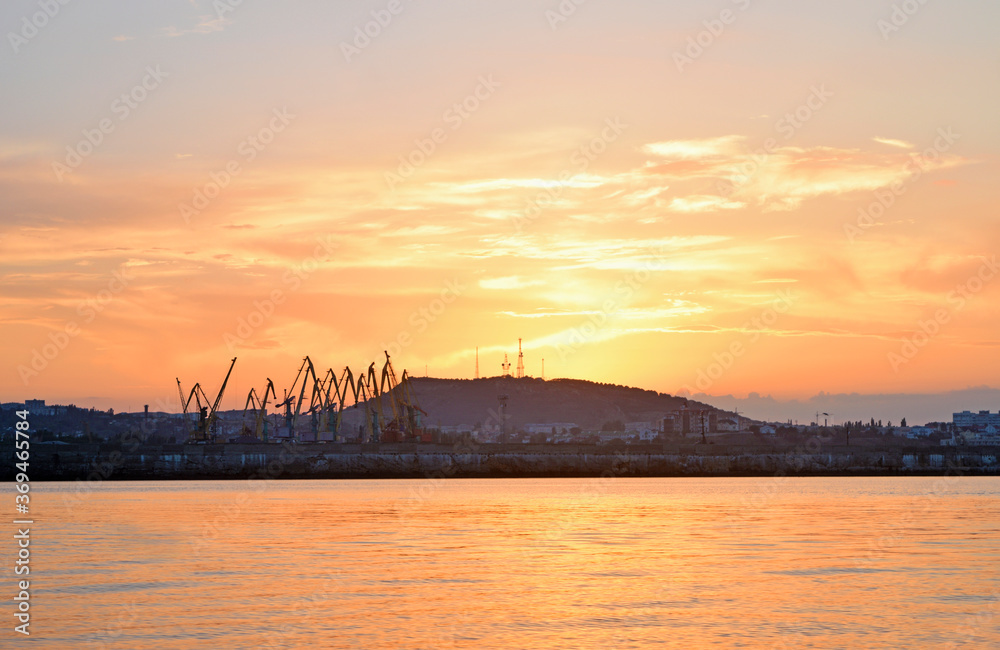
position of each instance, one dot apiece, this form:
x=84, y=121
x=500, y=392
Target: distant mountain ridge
x=917, y=408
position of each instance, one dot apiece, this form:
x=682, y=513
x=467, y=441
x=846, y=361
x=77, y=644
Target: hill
x=452, y=402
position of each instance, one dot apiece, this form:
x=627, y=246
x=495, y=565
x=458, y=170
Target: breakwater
x=473, y=460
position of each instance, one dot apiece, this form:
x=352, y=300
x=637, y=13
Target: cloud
x=681, y=177
x=780, y=180
x=696, y=149
x=678, y=308
x=792, y=175
x=703, y=203
x=502, y=184
x=206, y=25
x=509, y=282
x=902, y=144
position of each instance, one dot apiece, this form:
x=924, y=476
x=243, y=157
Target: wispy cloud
x=793, y=175
x=509, y=282
x=498, y=184
x=902, y=144
x=205, y=25
x=703, y=203
x=695, y=149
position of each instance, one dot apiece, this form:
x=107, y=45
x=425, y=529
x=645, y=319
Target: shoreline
x=99, y=462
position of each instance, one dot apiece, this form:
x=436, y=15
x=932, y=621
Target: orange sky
x=781, y=213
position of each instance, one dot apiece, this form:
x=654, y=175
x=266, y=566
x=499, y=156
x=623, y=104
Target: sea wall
x=235, y=461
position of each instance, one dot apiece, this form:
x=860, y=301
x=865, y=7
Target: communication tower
x=520, y=360
x=505, y=365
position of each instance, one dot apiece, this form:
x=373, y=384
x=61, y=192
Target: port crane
x=331, y=403
x=206, y=428
x=391, y=410
x=359, y=393
x=363, y=394
x=374, y=398
x=258, y=405
x=292, y=402
x=366, y=393
x=403, y=403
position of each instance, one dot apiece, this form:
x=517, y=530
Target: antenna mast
x=520, y=360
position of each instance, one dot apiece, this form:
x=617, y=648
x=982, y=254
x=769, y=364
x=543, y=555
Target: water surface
x=520, y=563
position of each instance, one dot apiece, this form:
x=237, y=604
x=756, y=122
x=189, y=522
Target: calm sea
x=547, y=563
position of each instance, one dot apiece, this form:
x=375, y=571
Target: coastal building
x=37, y=407
x=988, y=437
x=915, y=433
x=975, y=421
x=645, y=430
x=728, y=424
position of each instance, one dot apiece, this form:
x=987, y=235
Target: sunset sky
x=778, y=209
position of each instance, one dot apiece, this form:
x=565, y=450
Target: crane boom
x=295, y=396
x=218, y=398
x=259, y=406
x=207, y=409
